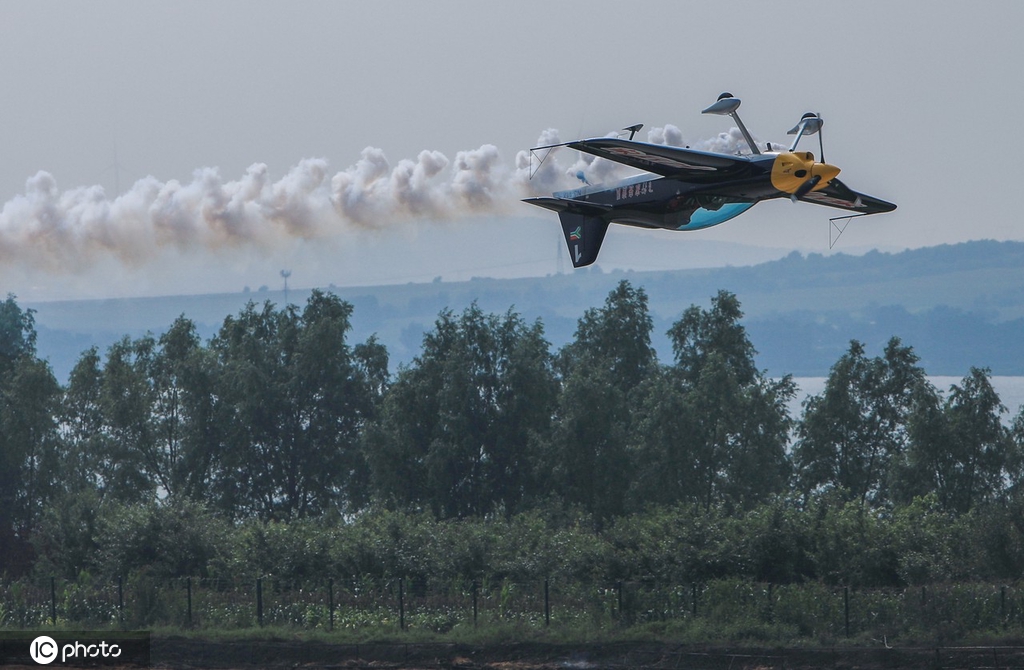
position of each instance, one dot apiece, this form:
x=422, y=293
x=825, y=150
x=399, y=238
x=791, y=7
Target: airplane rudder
x=583, y=236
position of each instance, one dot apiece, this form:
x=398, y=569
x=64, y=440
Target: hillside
x=958, y=305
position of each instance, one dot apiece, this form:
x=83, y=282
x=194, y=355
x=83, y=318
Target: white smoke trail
x=70, y=230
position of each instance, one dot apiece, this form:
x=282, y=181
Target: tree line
x=278, y=422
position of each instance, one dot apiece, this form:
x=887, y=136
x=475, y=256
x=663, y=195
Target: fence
x=732, y=608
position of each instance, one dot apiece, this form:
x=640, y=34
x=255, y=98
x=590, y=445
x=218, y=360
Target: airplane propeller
x=805, y=188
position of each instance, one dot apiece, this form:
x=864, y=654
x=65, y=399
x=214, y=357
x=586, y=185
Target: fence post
x=53, y=600
x=474, y=603
x=1002, y=604
x=259, y=601
x=188, y=589
x=693, y=598
x=547, y=603
x=846, y=609
x=618, y=594
x=120, y=598
x=330, y=602
x=401, y=603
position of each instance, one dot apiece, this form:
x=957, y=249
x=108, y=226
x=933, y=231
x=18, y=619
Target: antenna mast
x=286, y=274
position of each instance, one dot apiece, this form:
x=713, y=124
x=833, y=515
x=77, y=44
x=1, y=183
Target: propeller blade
x=805, y=188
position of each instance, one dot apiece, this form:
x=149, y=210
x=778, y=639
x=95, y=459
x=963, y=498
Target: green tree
x=458, y=427
x=959, y=447
x=667, y=471
x=185, y=406
x=334, y=388
x=28, y=432
x=29, y=395
x=701, y=335
x=67, y=541
x=291, y=399
x=130, y=464
x=712, y=429
x=854, y=435
x=854, y=546
x=17, y=333
x=83, y=435
x=601, y=369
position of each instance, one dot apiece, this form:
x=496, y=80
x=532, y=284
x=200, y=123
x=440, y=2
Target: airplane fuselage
x=673, y=203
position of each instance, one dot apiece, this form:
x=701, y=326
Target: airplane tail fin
x=583, y=236
x=583, y=225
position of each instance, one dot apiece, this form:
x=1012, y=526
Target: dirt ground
x=185, y=654
x=180, y=654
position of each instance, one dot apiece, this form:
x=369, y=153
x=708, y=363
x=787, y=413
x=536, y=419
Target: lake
x=1010, y=390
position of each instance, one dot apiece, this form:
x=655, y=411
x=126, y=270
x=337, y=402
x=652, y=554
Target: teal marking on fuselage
x=705, y=218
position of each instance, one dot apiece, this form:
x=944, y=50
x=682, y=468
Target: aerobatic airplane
x=687, y=189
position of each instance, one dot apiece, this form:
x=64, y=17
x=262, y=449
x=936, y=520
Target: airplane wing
x=660, y=159
x=838, y=194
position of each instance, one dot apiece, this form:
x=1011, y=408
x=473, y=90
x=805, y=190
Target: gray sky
x=918, y=98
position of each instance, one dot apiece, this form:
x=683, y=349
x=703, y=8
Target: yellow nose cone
x=826, y=172
x=793, y=168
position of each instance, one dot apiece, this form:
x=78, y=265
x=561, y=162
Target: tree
x=713, y=429
x=457, y=427
x=617, y=337
x=183, y=375
x=29, y=394
x=700, y=334
x=666, y=471
x=130, y=467
x=83, y=435
x=292, y=400
x=17, y=334
x=135, y=433
x=959, y=447
x=602, y=369
x=853, y=436
x=28, y=434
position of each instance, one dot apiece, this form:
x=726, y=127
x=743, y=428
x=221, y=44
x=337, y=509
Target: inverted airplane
x=686, y=189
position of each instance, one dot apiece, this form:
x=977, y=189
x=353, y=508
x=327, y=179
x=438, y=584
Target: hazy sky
x=188, y=147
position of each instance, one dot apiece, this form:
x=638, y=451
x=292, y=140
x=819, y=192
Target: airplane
x=686, y=189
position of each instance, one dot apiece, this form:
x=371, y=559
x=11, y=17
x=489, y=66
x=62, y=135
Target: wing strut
x=540, y=159
x=835, y=231
x=727, y=105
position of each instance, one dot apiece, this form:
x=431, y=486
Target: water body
x=1010, y=390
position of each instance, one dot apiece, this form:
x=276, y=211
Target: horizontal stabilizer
x=569, y=205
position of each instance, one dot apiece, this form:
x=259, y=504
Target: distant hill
x=957, y=305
